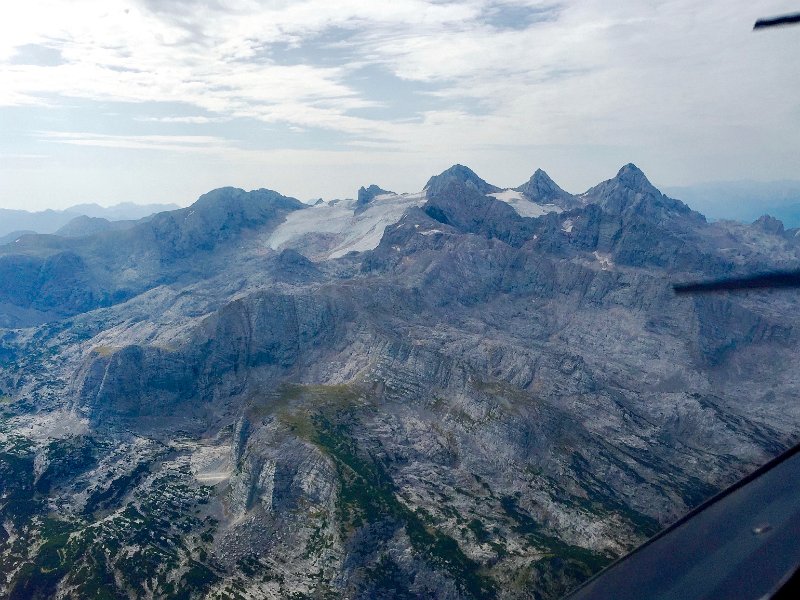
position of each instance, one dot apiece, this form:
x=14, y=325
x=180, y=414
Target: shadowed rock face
x=366, y=195
x=540, y=188
x=483, y=405
x=70, y=276
x=630, y=192
x=769, y=224
x=83, y=226
x=462, y=206
x=458, y=174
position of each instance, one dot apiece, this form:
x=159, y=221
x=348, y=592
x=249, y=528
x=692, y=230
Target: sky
x=162, y=100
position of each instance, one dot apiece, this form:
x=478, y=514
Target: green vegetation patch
x=104, y=350
x=17, y=494
x=290, y=397
x=585, y=561
x=66, y=458
x=135, y=550
x=117, y=489
x=367, y=495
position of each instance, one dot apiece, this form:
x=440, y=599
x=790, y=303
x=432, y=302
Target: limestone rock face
x=459, y=174
x=366, y=195
x=630, y=192
x=769, y=224
x=472, y=404
x=542, y=189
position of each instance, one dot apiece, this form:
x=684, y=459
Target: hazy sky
x=157, y=100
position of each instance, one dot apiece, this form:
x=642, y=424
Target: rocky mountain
x=543, y=190
x=468, y=392
x=366, y=195
x=459, y=174
x=13, y=236
x=84, y=226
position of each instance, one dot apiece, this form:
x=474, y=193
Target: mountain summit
x=368, y=194
x=460, y=174
x=630, y=192
x=542, y=189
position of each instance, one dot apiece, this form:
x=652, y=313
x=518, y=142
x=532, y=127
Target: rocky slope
x=400, y=396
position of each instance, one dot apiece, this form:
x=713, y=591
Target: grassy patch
x=479, y=531
x=17, y=495
x=584, y=561
x=104, y=350
x=322, y=415
x=367, y=495
x=291, y=398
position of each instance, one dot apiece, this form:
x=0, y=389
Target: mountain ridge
x=435, y=396
x=49, y=221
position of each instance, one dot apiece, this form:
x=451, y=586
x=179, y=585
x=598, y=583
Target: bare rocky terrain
x=469, y=392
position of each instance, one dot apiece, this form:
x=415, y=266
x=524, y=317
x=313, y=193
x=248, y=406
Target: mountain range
x=466, y=392
x=744, y=201
x=14, y=223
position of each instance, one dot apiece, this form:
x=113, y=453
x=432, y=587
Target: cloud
x=23, y=156
x=200, y=144
x=228, y=59
x=37, y=54
x=192, y=119
x=672, y=79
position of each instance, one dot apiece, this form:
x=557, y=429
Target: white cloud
x=191, y=119
x=202, y=144
x=674, y=80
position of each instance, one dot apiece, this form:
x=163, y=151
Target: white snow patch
x=508, y=195
x=348, y=232
x=523, y=205
x=567, y=225
x=604, y=259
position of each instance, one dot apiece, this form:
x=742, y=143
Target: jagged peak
x=629, y=177
x=367, y=194
x=630, y=191
x=769, y=224
x=633, y=177
x=540, y=181
x=461, y=174
x=542, y=189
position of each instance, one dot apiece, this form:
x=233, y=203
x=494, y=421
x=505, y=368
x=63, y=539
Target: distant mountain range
x=16, y=222
x=743, y=201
